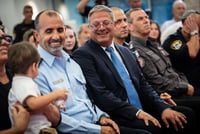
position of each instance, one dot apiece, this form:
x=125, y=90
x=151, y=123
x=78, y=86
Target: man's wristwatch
x=195, y=32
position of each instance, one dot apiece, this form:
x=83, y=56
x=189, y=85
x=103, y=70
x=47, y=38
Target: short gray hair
x=99, y=8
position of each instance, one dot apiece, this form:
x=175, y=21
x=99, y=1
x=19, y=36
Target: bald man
x=120, y=31
x=178, y=9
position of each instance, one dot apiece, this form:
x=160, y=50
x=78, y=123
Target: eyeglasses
x=8, y=38
x=97, y=25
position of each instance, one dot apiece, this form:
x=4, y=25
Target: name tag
x=58, y=81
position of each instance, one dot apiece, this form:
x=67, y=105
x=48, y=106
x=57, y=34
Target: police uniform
x=176, y=46
x=157, y=67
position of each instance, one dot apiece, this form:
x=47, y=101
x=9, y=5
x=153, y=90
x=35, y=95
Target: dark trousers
x=189, y=127
x=192, y=102
x=126, y=130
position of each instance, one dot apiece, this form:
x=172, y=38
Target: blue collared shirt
x=64, y=72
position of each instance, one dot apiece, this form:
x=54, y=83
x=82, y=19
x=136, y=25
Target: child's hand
x=61, y=94
x=61, y=97
x=60, y=104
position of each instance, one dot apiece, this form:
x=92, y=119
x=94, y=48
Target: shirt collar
x=111, y=45
x=141, y=41
x=49, y=58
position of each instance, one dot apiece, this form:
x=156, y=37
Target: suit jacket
x=105, y=86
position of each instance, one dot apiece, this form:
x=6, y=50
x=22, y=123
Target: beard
x=55, y=50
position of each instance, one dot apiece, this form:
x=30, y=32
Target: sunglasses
x=7, y=38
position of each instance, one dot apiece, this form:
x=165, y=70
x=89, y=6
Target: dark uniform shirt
x=176, y=46
x=20, y=29
x=157, y=67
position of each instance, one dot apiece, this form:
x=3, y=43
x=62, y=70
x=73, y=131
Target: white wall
x=11, y=11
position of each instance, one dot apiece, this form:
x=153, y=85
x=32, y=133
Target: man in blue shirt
x=58, y=70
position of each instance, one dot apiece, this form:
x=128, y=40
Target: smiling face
x=101, y=27
x=4, y=46
x=70, y=40
x=50, y=32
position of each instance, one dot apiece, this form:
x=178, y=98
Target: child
x=23, y=60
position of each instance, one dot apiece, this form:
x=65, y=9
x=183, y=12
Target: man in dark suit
x=107, y=89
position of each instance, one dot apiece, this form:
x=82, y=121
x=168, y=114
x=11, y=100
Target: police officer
x=183, y=48
x=156, y=65
x=155, y=62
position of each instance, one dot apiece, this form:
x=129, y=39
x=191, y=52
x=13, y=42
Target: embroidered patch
x=176, y=45
x=141, y=62
x=58, y=81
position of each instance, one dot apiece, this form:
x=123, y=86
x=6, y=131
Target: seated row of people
x=104, y=87
x=107, y=87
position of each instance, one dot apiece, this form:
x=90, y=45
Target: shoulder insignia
x=176, y=45
x=136, y=53
x=141, y=62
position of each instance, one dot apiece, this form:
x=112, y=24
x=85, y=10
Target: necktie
x=130, y=89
